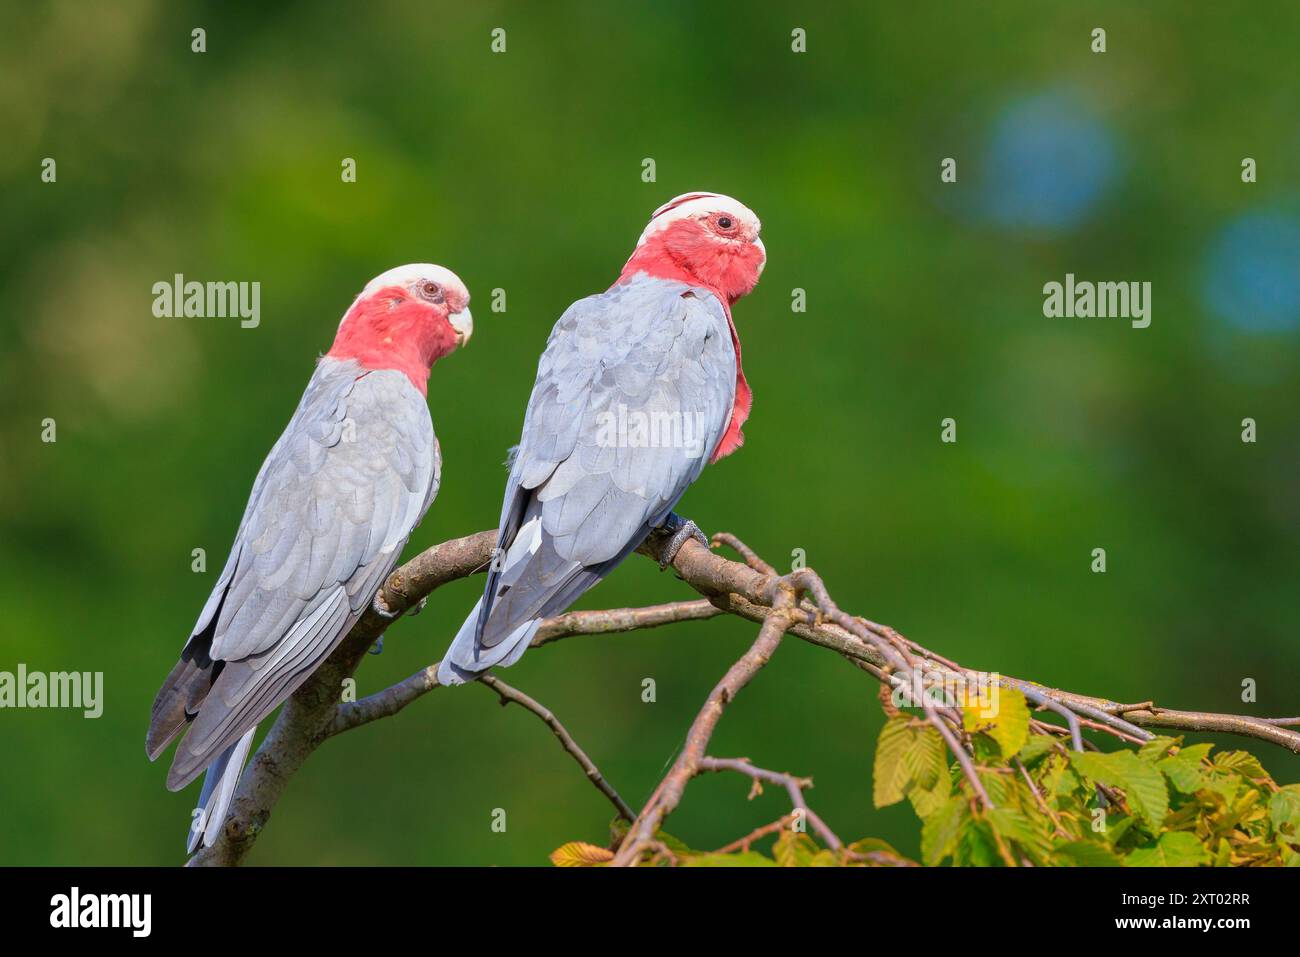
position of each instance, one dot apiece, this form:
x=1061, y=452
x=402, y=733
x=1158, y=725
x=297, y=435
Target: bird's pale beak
x=762, y=249
x=463, y=323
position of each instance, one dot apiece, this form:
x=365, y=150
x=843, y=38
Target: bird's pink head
x=706, y=239
x=406, y=319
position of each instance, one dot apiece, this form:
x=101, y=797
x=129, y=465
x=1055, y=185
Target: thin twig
x=793, y=786
x=1044, y=700
x=743, y=843
x=509, y=694
x=1038, y=797
x=744, y=551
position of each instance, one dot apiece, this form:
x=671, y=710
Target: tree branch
x=386, y=703
x=752, y=591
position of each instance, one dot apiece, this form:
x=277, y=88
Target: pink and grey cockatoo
x=333, y=505
x=638, y=388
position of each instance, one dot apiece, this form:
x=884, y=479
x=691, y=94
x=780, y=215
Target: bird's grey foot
x=680, y=529
x=381, y=608
x=417, y=607
x=378, y=647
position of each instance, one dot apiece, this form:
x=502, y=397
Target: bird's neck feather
x=684, y=252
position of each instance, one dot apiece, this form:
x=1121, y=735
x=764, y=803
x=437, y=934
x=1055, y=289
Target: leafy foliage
x=792, y=847
x=1161, y=805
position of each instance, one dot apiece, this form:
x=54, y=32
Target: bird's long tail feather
x=218, y=788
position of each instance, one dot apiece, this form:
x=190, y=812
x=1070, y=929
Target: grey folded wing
x=633, y=392
x=333, y=505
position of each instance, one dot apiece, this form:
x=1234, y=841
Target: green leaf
x=890, y=774
x=1142, y=783
x=1157, y=747
x=873, y=845
x=1012, y=728
x=1114, y=833
x=675, y=844
x=742, y=859
x=1008, y=726
x=1096, y=766
x=1195, y=752
x=1174, y=849
x=1243, y=763
x=1084, y=854
x=978, y=847
x=1037, y=746
x=940, y=831
x=1226, y=786
x=1183, y=773
x=1057, y=780
x=924, y=802
x=999, y=786
x=794, y=849
x=1284, y=809
x=910, y=758
x=1145, y=788
x=1015, y=826
x=1223, y=857
x=927, y=757
x=985, y=750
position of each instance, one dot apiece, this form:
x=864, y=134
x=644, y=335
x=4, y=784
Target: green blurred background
x=523, y=171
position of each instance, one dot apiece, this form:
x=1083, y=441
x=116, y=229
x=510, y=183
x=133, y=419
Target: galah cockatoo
x=333, y=505
x=638, y=388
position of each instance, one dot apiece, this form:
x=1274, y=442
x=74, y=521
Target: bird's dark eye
x=431, y=291
x=725, y=222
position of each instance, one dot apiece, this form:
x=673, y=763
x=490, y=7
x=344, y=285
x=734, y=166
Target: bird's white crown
x=688, y=205
x=412, y=273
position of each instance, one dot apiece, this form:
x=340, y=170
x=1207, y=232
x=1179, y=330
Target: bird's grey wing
x=633, y=393
x=330, y=512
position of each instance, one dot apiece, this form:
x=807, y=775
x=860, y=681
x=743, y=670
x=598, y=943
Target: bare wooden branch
x=386, y=703
x=612, y=620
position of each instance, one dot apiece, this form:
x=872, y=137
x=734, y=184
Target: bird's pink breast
x=734, y=438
